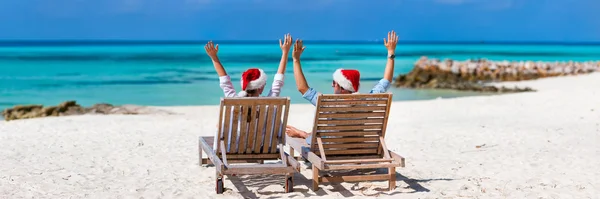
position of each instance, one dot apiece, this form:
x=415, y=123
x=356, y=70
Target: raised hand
x=298, y=49
x=390, y=43
x=286, y=44
x=211, y=49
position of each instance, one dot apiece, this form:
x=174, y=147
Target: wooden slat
x=262, y=111
x=350, y=151
x=352, y=128
x=353, y=108
x=358, y=161
x=352, y=157
x=259, y=169
x=355, y=178
x=358, y=121
x=233, y=145
x=269, y=129
x=277, y=126
x=207, y=161
x=352, y=102
x=243, y=129
x=251, y=129
x=253, y=156
x=253, y=101
x=398, y=158
x=353, y=145
x=283, y=124
x=352, y=139
x=223, y=152
x=349, y=133
x=385, y=122
x=220, y=127
x=208, y=149
x=356, y=96
x=313, y=144
x=362, y=166
x=351, y=115
x=383, y=147
x=321, y=149
x=226, y=128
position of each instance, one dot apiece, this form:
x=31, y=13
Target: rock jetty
x=72, y=108
x=475, y=75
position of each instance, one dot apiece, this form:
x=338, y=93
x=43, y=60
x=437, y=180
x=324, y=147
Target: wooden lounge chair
x=349, y=133
x=257, y=123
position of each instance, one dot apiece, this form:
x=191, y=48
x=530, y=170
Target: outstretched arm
x=390, y=44
x=224, y=80
x=285, y=46
x=211, y=51
x=298, y=75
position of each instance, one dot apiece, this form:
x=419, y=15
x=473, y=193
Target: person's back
x=345, y=81
x=253, y=80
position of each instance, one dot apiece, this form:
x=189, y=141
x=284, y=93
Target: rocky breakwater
x=72, y=108
x=476, y=75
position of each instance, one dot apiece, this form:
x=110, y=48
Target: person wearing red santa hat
x=253, y=80
x=345, y=81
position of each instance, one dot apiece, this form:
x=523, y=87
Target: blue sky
x=414, y=20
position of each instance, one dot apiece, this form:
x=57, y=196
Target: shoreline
x=534, y=83
x=527, y=83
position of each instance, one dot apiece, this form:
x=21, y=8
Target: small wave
x=152, y=57
x=67, y=74
x=8, y=103
x=320, y=71
x=114, y=82
x=370, y=78
x=448, y=53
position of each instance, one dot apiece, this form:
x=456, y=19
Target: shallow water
x=181, y=74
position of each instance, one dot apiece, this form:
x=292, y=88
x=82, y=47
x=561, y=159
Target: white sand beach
x=543, y=144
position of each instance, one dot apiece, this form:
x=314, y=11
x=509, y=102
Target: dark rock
x=432, y=77
x=72, y=108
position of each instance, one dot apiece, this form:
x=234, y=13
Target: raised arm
x=211, y=51
x=224, y=80
x=298, y=75
x=390, y=44
x=285, y=46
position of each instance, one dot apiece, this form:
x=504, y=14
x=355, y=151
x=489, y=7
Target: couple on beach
x=345, y=81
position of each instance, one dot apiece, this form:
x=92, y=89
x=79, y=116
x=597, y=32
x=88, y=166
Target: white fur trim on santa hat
x=242, y=94
x=258, y=83
x=340, y=79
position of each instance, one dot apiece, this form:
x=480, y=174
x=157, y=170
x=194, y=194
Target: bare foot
x=294, y=132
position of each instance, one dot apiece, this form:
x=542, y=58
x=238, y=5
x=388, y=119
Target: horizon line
x=32, y=42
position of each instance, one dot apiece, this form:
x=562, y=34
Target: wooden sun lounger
x=259, y=125
x=349, y=133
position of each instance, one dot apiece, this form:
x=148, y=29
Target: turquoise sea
x=180, y=73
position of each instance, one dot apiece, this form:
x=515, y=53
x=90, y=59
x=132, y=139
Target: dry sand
x=544, y=144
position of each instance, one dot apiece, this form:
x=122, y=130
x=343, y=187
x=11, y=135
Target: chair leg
x=219, y=188
x=289, y=183
x=316, y=178
x=199, y=153
x=392, y=173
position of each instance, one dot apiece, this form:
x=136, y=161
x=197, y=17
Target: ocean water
x=166, y=74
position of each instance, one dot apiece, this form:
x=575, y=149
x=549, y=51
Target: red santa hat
x=348, y=79
x=252, y=79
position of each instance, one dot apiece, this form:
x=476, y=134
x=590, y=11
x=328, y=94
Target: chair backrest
x=350, y=124
x=253, y=125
